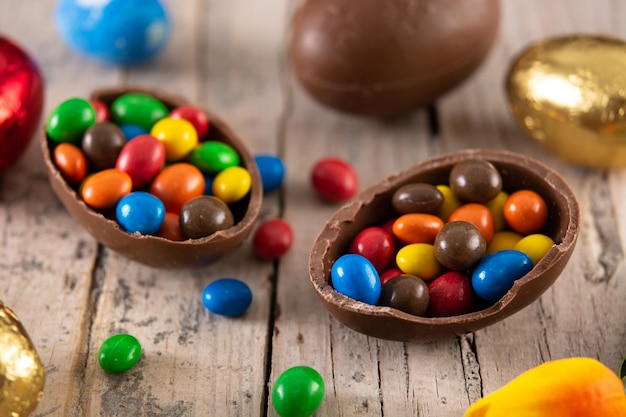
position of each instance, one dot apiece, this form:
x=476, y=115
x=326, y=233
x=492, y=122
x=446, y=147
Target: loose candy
x=69, y=120
x=101, y=144
x=417, y=198
x=272, y=239
x=272, y=171
x=459, y=245
x=525, y=211
x=178, y=135
x=142, y=159
x=228, y=297
x=71, y=162
x=535, y=246
x=119, y=353
x=355, y=277
x=417, y=228
x=140, y=212
x=204, y=215
x=495, y=274
x=298, y=392
x=451, y=294
x=211, y=157
x=419, y=259
x=334, y=180
x=475, y=180
x=376, y=245
x=104, y=189
x=232, y=184
x=195, y=116
x=406, y=293
x=177, y=184
x=138, y=109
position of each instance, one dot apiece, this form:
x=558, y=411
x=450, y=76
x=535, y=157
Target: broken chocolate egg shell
x=153, y=250
x=373, y=207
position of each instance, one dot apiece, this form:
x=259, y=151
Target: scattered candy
x=272, y=171
x=228, y=297
x=119, y=353
x=272, y=239
x=140, y=212
x=356, y=277
x=334, y=180
x=298, y=392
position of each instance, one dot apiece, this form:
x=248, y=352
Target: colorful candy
x=104, y=189
x=71, y=162
x=178, y=135
x=138, y=109
x=272, y=170
x=101, y=144
x=334, y=180
x=228, y=297
x=356, y=277
x=272, y=239
x=525, y=211
x=140, y=212
x=419, y=259
x=406, y=293
x=475, y=180
x=195, y=116
x=119, y=353
x=417, y=198
x=298, y=392
x=417, y=228
x=204, y=215
x=142, y=159
x=69, y=120
x=451, y=294
x=177, y=184
x=459, y=245
x=495, y=274
x=232, y=184
x=376, y=245
x=212, y=156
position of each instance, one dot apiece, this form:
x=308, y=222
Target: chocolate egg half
x=380, y=58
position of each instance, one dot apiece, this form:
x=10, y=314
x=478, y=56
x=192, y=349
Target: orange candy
x=177, y=184
x=71, y=162
x=417, y=228
x=478, y=215
x=525, y=211
x=104, y=189
x=170, y=229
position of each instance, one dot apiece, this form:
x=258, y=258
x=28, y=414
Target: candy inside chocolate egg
x=380, y=58
x=374, y=207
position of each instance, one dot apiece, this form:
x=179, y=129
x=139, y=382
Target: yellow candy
x=495, y=206
x=232, y=184
x=503, y=241
x=178, y=135
x=535, y=246
x=450, y=202
x=419, y=259
x=573, y=387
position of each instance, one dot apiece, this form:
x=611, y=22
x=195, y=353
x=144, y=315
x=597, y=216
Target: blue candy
x=132, y=131
x=140, y=212
x=227, y=297
x=495, y=273
x=355, y=276
x=272, y=171
x=119, y=32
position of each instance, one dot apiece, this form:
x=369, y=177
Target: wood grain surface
x=71, y=293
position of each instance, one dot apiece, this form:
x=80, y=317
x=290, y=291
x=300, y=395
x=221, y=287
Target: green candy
x=138, y=109
x=298, y=392
x=212, y=156
x=119, y=353
x=70, y=120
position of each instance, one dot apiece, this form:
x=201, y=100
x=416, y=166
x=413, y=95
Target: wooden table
x=72, y=293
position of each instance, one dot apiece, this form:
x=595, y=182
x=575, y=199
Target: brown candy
x=475, y=180
x=203, y=216
x=417, y=198
x=102, y=143
x=406, y=293
x=459, y=245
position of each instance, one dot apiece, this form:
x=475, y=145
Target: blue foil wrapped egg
x=118, y=32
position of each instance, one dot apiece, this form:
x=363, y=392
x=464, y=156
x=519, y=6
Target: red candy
x=102, y=111
x=193, y=115
x=334, y=180
x=376, y=245
x=525, y=212
x=142, y=158
x=388, y=274
x=272, y=239
x=451, y=294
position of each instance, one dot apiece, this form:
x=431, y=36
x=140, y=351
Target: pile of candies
x=152, y=169
x=452, y=249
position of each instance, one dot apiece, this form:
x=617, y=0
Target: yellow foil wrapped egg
x=569, y=94
x=21, y=371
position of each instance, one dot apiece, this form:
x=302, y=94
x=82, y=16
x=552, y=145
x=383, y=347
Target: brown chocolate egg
x=380, y=58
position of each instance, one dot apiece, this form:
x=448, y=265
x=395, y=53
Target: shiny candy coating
x=104, y=189
x=138, y=109
x=496, y=207
x=119, y=353
x=178, y=135
x=567, y=93
x=459, y=245
x=232, y=184
x=525, y=211
x=355, y=277
x=495, y=274
x=140, y=212
x=417, y=228
x=298, y=392
x=451, y=294
x=21, y=101
x=131, y=131
x=228, y=297
x=419, y=259
x=475, y=180
x=476, y=214
x=272, y=239
x=142, y=158
x=170, y=228
x=211, y=157
x=203, y=216
x=272, y=170
x=101, y=109
x=71, y=162
x=406, y=293
x=177, y=184
x=21, y=371
x=450, y=202
x=195, y=116
x=101, y=144
x=334, y=180
x=535, y=246
x=503, y=240
x=115, y=32
x=417, y=198
x=69, y=120
x=376, y=245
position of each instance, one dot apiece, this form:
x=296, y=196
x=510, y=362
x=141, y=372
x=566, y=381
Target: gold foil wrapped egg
x=569, y=94
x=21, y=371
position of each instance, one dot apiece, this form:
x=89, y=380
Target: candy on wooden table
x=272, y=239
x=298, y=392
x=229, y=297
x=334, y=180
x=272, y=170
x=119, y=353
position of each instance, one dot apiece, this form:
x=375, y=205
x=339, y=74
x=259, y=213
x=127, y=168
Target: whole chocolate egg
x=380, y=58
